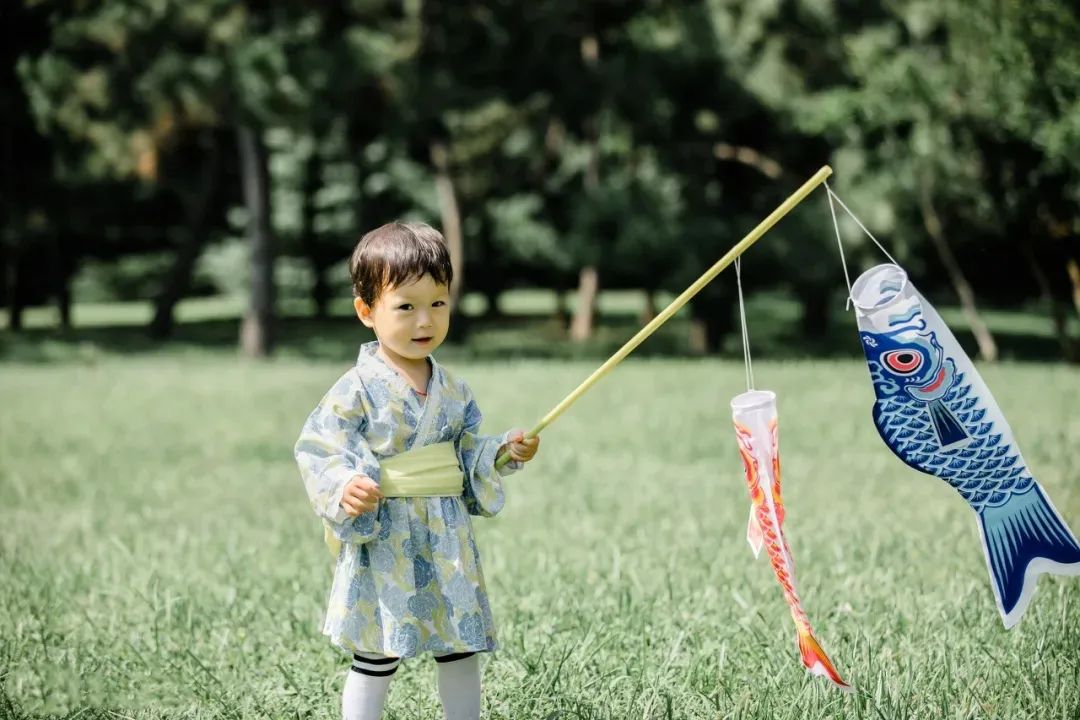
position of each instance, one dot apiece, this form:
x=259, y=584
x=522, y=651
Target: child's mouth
x=422, y=340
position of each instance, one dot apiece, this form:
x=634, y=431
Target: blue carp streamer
x=936, y=414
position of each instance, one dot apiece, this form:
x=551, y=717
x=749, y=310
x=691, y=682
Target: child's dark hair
x=396, y=254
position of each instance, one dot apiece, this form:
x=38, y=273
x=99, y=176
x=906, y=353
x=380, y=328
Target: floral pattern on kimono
x=408, y=578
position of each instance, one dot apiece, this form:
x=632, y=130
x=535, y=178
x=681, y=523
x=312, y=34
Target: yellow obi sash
x=429, y=471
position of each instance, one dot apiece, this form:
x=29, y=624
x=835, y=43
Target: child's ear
x=363, y=311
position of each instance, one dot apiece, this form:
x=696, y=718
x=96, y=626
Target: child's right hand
x=361, y=495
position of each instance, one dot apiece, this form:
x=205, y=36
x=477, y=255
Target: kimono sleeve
x=483, y=493
x=331, y=449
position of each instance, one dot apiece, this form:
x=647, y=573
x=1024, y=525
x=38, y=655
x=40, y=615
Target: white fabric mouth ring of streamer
x=753, y=400
x=879, y=287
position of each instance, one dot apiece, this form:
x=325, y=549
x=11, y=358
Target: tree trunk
x=309, y=240
x=584, y=318
x=15, y=309
x=581, y=327
x=554, y=204
x=492, y=296
x=256, y=332
x=451, y=217
x=63, y=291
x=178, y=281
x=562, y=307
x=320, y=292
x=707, y=333
x=699, y=337
x=815, y=312
x=1057, y=312
x=648, y=308
x=56, y=265
x=1073, y=268
x=14, y=296
x=711, y=319
x=987, y=347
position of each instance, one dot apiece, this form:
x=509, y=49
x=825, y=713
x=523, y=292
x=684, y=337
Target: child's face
x=410, y=320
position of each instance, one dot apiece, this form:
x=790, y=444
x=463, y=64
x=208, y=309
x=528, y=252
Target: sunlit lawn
x=159, y=558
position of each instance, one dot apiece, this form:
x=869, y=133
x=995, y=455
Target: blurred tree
x=27, y=232
x=605, y=143
x=896, y=120
x=955, y=121
x=1019, y=70
x=525, y=137
x=134, y=82
x=688, y=96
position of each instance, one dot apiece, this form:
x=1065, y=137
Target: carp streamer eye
x=903, y=362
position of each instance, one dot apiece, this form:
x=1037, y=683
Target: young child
x=394, y=463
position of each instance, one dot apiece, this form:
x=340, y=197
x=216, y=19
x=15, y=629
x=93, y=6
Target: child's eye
x=438, y=303
x=406, y=306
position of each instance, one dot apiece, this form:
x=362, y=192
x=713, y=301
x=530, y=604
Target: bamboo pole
x=753, y=236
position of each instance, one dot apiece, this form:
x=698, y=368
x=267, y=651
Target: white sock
x=365, y=693
x=459, y=687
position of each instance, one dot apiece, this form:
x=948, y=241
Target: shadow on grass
x=505, y=337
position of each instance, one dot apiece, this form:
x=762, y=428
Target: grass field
x=159, y=558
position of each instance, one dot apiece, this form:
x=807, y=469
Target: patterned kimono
x=408, y=578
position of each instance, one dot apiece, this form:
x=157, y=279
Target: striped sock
x=375, y=665
x=366, y=686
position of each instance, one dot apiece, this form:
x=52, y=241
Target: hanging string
x=861, y=226
x=840, y=245
x=836, y=227
x=745, y=334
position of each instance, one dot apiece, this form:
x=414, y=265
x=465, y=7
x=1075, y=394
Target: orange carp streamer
x=754, y=414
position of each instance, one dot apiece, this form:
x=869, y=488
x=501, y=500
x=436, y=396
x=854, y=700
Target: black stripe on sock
x=375, y=660
x=453, y=656
x=374, y=673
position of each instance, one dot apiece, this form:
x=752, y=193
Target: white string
x=861, y=226
x=834, y=196
x=745, y=334
x=840, y=245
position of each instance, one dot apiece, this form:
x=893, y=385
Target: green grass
x=159, y=558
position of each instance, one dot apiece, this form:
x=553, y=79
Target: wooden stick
x=753, y=236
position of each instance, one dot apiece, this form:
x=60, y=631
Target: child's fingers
x=527, y=444
x=360, y=497
x=522, y=452
x=365, y=483
x=363, y=487
x=353, y=507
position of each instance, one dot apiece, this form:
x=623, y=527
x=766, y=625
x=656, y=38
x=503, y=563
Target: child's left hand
x=522, y=449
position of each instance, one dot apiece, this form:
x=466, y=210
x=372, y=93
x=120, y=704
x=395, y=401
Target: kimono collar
x=423, y=411
x=369, y=359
